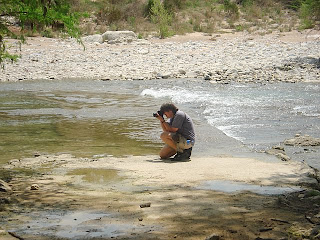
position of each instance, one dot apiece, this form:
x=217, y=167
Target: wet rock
x=283, y=157
x=4, y=187
x=34, y=187
x=305, y=140
x=279, y=152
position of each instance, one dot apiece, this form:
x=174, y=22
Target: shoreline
x=220, y=58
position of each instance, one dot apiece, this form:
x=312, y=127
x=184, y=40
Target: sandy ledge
x=176, y=207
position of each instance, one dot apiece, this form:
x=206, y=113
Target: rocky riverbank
x=240, y=57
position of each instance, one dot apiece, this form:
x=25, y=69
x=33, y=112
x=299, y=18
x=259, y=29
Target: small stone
x=34, y=187
x=207, y=78
x=265, y=229
x=36, y=154
x=166, y=75
x=182, y=72
x=144, y=205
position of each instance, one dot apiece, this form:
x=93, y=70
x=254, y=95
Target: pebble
x=265, y=59
x=34, y=187
x=144, y=205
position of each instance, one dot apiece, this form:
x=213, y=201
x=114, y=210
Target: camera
x=159, y=112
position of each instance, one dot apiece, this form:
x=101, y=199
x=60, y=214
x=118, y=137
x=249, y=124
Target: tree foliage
x=161, y=17
x=34, y=14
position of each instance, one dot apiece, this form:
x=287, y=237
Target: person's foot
x=185, y=155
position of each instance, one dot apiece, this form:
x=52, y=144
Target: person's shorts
x=181, y=142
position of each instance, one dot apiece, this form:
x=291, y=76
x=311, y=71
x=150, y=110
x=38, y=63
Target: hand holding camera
x=159, y=113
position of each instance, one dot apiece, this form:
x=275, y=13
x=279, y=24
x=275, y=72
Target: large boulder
x=118, y=36
x=96, y=38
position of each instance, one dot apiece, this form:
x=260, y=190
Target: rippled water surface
x=87, y=117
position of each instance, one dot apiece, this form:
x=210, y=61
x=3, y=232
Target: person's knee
x=164, y=135
x=163, y=156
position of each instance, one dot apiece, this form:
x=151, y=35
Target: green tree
x=161, y=17
x=35, y=14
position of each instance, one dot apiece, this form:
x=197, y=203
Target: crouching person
x=178, y=132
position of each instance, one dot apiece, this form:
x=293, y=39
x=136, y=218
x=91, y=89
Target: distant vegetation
x=53, y=18
x=167, y=17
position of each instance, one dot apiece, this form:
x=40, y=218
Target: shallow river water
x=87, y=118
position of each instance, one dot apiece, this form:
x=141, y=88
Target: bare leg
x=167, y=152
x=170, y=148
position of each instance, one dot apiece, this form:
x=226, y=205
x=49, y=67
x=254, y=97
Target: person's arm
x=165, y=126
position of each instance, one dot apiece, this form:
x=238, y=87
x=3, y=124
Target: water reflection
x=235, y=187
x=81, y=138
x=97, y=176
x=85, y=121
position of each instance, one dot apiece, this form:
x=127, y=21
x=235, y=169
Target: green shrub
x=307, y=20
x=231, y=8
x=161, y=17
x=147, y=9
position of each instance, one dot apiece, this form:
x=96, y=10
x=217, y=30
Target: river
x=97, y=118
